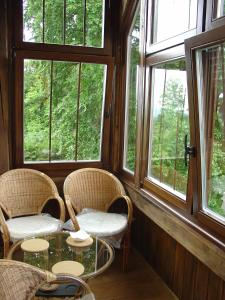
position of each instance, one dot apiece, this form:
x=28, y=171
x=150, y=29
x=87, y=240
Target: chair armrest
x=5, y=232
x=71, y=213
x=129, y=207
x=61, y=206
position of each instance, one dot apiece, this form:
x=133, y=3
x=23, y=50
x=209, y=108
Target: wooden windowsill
x=197, y=239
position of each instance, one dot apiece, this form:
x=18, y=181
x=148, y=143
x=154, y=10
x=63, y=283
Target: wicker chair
x=96, y=189
x=20, y=281
x=25, y=192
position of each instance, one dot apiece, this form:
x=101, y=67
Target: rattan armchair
x=96, y=189
x=20, y=281
x=25, y=192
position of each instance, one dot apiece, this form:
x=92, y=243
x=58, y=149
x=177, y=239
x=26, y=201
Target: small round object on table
x=68, y=267
x=70, y=241
x=35, y=245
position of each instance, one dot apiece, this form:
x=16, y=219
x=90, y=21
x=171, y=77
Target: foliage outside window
x=173, y=17
x=169, y=123
x=62, y=110
x=133, y=61
x=211, y=97
x=64, y=22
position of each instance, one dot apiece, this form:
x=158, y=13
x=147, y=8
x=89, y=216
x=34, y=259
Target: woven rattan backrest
x=92, y=188
x=23, y=191
x=19, y=281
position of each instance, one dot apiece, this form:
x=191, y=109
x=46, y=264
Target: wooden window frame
x=210, y=22
x=20, y=44
x=61, y=167
x=158, y=190
x=175, y=40
x=210, y=38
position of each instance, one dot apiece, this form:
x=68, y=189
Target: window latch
x=188, y=150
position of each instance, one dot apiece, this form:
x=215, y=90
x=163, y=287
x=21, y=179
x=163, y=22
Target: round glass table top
x=95, y=258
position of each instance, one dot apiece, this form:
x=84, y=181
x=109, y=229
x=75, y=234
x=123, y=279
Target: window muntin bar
x=212, y=128
x=169, y=124
x=63, y=110
x=133, y=61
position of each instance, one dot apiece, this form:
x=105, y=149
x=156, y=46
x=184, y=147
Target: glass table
x=95, y=258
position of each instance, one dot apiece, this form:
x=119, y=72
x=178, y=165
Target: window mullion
x=78, y=108
x=50, y=114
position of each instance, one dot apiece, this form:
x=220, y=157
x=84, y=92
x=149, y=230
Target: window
x=209, y=113
x=63, y=83
x=64, y=22
x=215, y=14
x=62, y=110
x=169, y=123
x=133, y=61
x=170, y=22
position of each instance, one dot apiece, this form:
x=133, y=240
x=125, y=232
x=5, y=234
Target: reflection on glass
x=169, y=124
x=218, y=8
x=173, y=17
x=133, y=61
x=70, y=22
x=212, y=127
x=63, y=110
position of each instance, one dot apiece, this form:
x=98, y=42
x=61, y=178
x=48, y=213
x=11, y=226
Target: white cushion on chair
x=100, y=223
x=25, y=227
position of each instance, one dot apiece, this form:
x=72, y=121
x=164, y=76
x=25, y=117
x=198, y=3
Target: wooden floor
x=139, y=283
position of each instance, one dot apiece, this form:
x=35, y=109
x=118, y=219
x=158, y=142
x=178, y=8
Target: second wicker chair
x=98, y=189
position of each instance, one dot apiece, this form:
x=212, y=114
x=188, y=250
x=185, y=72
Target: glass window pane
x=70, y=22
x=218, y=9
x=169, y=125
x=53, y=21
x=92, y=87
x=33, y=26
x=212, y=127
x=133, y=61
x=37, y=77
x=63, y=110
x=173, y=17
x=75, y=22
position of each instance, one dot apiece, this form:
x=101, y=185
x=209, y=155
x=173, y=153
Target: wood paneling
x=185, y=275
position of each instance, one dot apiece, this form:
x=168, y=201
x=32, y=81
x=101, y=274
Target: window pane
x=173, y=17
x=218, y=8
x=212, y=127
x=90, y=111
x=133, y=61
x=70, y=22
x=36, y=109
x=169, y=125
x=32, y=27
x=63, y=110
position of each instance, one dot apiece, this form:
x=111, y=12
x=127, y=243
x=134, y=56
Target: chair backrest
x=20, y=281
x=92, y=188
x=24, y=191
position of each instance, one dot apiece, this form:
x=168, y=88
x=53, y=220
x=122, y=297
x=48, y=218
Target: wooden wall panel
x=185, y=275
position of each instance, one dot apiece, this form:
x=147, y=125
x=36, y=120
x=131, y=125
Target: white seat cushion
x=101, y=224
x=25, y=227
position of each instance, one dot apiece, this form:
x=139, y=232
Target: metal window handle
x=188, y=150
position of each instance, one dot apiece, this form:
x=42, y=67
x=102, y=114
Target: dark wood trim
x=61, y=57
x=128, y=16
